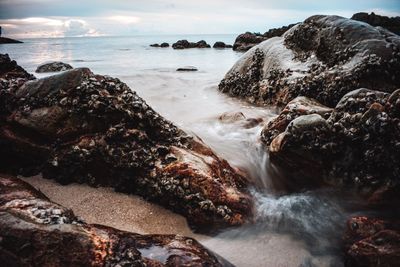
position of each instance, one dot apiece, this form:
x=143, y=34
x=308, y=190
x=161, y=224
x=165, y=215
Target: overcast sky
x=57, y=18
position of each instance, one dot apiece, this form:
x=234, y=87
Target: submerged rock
x=187, y=68
x=248, y=40
x=80, y=127
x=323, y=58
x=184, y=44
x=356, y=146
x=37, y=232
x=53, y=67
x=392, y=24
x=372, y=242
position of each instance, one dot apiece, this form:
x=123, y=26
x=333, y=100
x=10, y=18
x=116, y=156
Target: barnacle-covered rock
x=55, y=66
x=372, y=242
x=80, y=127
x=37, y=232
x=357, y=147
x=323, y=58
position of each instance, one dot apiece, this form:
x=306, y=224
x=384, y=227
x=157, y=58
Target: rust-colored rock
x=372, y=242
x=87, y=128
x=37, y=232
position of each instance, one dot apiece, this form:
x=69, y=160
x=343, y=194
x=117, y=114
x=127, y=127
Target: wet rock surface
x=53, y=67
x=372, y=242
x=390, y=23
x=80, y=127
x=37, y=232
x=247, y=40
x=356, y=146
x=323, y=58
x=185, y=44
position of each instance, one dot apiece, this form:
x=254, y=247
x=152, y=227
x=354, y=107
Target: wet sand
x=105, y=206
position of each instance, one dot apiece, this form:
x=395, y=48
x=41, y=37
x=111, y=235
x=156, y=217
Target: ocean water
x=300, y=229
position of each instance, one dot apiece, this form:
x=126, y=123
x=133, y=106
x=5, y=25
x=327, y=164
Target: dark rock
x=4, y=40
x=323, y=58
x=221, y=45
x=53, y=67
x=357, y=147
x=392, y=24
x=184, y=44
x=187, y=68
x=37, y=232
x=164, y=45
x=80, y=127
x=247, y=40
x=372, y=242
x=155, y=45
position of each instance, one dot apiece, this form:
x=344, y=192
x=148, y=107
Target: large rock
x=37, y=232
x=247, y=40
x=372, y=242
x=357, y=147
x=323, y=58
x=55, y=66
x=392, y=24
x=80, y=127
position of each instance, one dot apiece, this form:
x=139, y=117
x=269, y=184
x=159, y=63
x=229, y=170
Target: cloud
x=37, y=27
x=44, y=18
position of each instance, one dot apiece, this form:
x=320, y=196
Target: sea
x=299, y=229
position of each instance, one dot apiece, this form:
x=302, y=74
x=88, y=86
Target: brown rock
x=86, y=128
x=37, y=232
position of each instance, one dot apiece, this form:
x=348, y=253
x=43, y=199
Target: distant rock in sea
x=55, y=66
x=187, y=68
x=390, y=23
x=221, y=45
x=4, y=40
x=185, y=44
x=162, y=45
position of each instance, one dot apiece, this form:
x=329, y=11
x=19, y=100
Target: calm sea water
x=291, y=230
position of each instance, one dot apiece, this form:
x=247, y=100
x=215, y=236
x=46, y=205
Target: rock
x=221, y=45
x=184, y=44
x=322, y=58
x=357, y=147
x=392, y=24
x=297, y=107
x=372, y=242
x=247, y=40
x=53, y=67
x=4, y=40
x=162, y=45
x=187, y=68
x=80, y=127
x=232, y=117
x=37, y=232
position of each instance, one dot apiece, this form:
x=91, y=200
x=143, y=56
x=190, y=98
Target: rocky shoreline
x=338, y=82
x=5, y=40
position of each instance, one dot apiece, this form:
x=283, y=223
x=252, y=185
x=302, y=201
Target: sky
x=74, y=18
